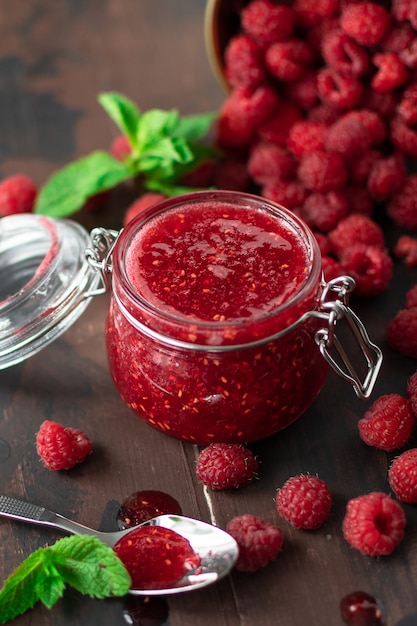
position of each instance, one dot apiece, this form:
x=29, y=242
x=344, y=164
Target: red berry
x=412, y=385
x=366, y=22
x=288, y=60
x=344, y=55
x=411, y=294
x=340, y=92
x=324, y=210
x=355, y=229
x=290, y=194
x=387, y=176
x=61, y=447
x=267, y=22
x=268, y=163
x=349, y=137
x=402, y=476
x=403, y=136
x=244, y=62
x=304, y=501
x=361, y=609
x=142, y=203
x=391, y=72
x=226, y=466
x=259, y=542
x=331, y=268
x=370, y=267
x=402, y=206
x=406, y=249
x=402, y=332
x=17, y=195
x=276, y=128
x=388, y=424
x=120, y=148
x=374, y=524
x=231, y=173
x=311, y=12
x=306, y=136
x=322, y=171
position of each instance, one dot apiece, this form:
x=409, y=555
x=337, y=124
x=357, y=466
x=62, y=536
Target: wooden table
x=56, y=57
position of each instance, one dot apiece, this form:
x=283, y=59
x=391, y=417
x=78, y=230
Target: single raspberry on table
x=366, y=22
x=61, y=447
x=402, y=476
x=388, y=423
x=401, y=333
x=374, y=524
x=17, y=195
x=304, y=501
x=259, y=541
x=371, y=268
x=226, y=466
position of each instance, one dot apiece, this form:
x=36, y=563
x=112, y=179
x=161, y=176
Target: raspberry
x=361, y=166
x=324, y=114
x=267, y=22
x=324, y=210
x=268, y=162
x=405, y=10
x=320, y=171
x=391, y=72
x=306, y=136
x=372, y=122
x=359, y=200
x=369, y=266
x=387, y=176
x=242, y=113
x=202, y=175
x=244, y=62
x=406, y=249
x=402, y=476
x=303, y=92
x=259, y=542
x=412, y=387
x=120, y=148
x=290, y=194
x=226, y=466
x=288, y=60
x=402, y=206
x=330, y=267
x=388, y=424
x=344, y=55
x=355, y=229
x=61, y=447
x=304, y=501
x=17, y=195
x=382, y=103
x=374, y=524
x=142, y=203
x=313, y=11
x=338, y=91
x=348, y=137
x=366, y=22
x=277, y=127
x=411, y=295
x=403, y=136
x=401, y=332
x=231, y=173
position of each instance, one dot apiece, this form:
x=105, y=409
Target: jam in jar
x=215, y=325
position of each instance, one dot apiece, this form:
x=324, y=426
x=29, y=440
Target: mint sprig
x=83, y=562
x=164, y=147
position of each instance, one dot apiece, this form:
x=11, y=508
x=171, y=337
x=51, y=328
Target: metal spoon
x=217, y=550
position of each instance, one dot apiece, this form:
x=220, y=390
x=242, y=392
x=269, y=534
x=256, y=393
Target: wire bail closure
x=99, y=257
x=334, y=303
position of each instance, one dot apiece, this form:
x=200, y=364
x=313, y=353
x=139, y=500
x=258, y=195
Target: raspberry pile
x=61, y=447
x=401, y=332
x=322, y=106
x=226, y=466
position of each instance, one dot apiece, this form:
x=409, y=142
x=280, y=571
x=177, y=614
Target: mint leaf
x=195, y=127
x=91, y=567
x=124, y=114
x=27, y=584
x=83, y=562
x=155, y=125
x=68, y=189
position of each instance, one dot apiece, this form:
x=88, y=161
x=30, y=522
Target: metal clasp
x=99, y=257
x=334, y=303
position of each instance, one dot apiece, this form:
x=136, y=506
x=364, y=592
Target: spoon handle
x=26, y=512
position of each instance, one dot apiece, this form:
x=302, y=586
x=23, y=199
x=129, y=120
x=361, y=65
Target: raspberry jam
x=205, y=290
x=156, y=557
x=141, y=506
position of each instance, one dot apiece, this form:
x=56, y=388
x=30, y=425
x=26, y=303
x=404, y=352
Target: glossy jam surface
x=215, y=371
x=141, y=506
x=216, y=263
x=361, y=609
x=156, y=557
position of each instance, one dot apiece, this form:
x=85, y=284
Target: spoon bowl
x=217, y=550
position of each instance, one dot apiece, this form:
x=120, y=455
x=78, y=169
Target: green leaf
x=154, y=125
x=91, y=567
x=27, y=584
x=68, y=189
x=195, y=127
x=124, y=114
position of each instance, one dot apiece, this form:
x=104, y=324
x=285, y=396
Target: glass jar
x=235, y=377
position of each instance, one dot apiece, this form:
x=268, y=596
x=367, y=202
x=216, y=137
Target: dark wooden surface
x=55, y=57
